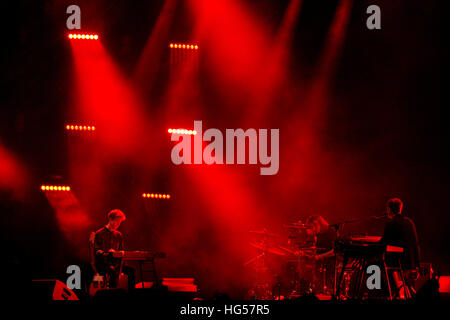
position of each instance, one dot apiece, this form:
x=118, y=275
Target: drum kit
x=298, y=272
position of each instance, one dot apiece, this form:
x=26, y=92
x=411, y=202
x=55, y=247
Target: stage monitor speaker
x=444, y=284
x=51, y=290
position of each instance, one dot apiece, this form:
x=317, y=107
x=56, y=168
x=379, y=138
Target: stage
x=289, y=152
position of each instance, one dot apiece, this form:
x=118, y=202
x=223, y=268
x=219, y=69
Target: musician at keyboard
x=107, y=241
x=400, y=231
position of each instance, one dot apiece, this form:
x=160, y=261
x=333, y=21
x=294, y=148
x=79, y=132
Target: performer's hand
x=97, y=277
x=414, y=274
x=121, y=253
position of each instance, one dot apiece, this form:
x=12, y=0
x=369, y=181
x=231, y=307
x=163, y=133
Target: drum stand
x=260, y=290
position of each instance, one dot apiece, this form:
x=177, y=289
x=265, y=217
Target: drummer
x=325, y=236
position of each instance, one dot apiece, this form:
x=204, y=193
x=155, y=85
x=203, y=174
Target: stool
x=394, y=254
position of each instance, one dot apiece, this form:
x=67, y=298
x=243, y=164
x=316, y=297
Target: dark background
x=386, y=134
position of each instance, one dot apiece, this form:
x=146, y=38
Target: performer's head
x=318, y=223
x=115, y=218
x=394, y=206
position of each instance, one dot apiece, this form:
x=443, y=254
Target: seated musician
x=400, y=231
x=108, y=240
x=325, y=236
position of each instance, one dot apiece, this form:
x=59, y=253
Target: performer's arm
x=97, y=246
x=325, y=255
x=121, y=243
x=415, y=248
x=121, y=246
x=386, y=233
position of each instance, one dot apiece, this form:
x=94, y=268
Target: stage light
x=79, y=128
x=155, y=196
x=182, y=131
x=183, y=46
x=83, y=36
x=55, y=188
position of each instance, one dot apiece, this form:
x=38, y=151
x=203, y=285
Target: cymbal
x=366, y=238
x=310, y=248
x=289, y=251
x=297, y=226
x=264, y=232
x=271, y=249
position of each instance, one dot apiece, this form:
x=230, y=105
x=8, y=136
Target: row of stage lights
x=67, y=188
x=79, y=128
x=156, y=196
x=182, y=131
x=78, y=36
x=55, y=188
x=183, y=46
x=81, y=36
x=92, y=128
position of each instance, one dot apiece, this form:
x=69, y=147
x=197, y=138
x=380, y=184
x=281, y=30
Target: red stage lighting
x=83, y=36
x=183, y=46
x=182, y=131
x=156, y=196
x=55, y=188
x=72, y=127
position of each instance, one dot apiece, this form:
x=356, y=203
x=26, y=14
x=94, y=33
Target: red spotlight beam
x=72, y=219
x=309, y=123
x=318, y=94
x=13, y=174
x=235, y=39
x=275, y=73
x=148, y=63
x=182, y=95
x=106, y=98
x=328, y=61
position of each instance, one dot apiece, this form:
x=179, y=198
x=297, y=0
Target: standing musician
x=400, y=231
x=108, y=240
